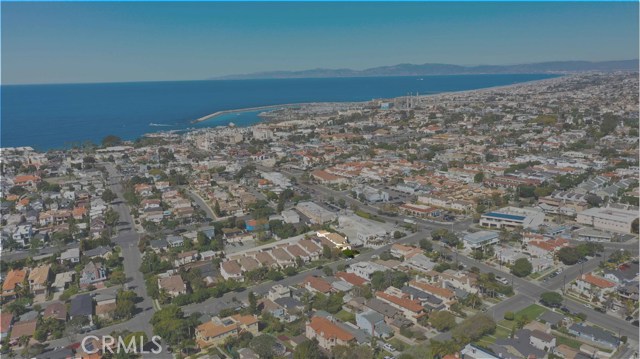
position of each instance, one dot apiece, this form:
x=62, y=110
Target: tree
x=509, y=316
x=327, y=271
x=426, y=245
x=111, y=140
x=253, y=303
x=216, y=209
x=125, y=304
x=442, y=320
x=551, y=299
x=326, y=252
x=263, y=346
x=308, y=349
x=108, y=196
x=521, y=268
x=568, y=255
x=118, y=277
x=474, y=328
x=479, y=177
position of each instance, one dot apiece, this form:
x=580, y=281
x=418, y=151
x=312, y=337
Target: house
x=542, y=340
x=311, y=247
x=410, y=308
x=175, y=241
x=373, y=324
x=98, y=252
x=56, y=310
x=594, y=334
x=71, y=255
x=105, y=306
x=297, y=252
x=15, y=278
x=400, y=251
x=317, y=285
x=23, y=329
x=351, y=278
x=266, y=260
x=39, y=278
x=187, y=257
x=290, y=216
x=6, y=323
x=23, y=234
x=593, y=286
x=278, y=291
x=365, y=269
x=248, y=264
x=92, y=273
x=624, y=274
x=335, y=239
x=283, y=258
x=81, y=306
x=327, y=333
x=217, y=330
x=62, y=280
x=231, y=270
x=173, y=285
x=159, y=245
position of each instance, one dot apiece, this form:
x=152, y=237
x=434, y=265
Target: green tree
x=521, y=268
x=568, y=255
x=253, y=303
x=108, y=196
x=479, y=177
x=426, y=245
x=263, y=346
x=442, y=320
x=308, y=349
x=551, y=299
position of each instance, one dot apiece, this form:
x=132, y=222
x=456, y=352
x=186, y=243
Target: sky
x=73, y=42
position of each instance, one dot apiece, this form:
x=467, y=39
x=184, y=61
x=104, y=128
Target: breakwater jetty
x=258, y=108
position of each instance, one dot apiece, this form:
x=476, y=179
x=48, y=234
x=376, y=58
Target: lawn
x=397, y=343
x=345, y=316
x=573, y=343
x=532, y=312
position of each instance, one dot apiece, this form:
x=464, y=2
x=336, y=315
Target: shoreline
x=301, y=104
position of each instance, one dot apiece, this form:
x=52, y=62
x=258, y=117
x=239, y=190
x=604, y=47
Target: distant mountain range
x=445, y=69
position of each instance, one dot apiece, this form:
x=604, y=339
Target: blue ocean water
x=55, y=116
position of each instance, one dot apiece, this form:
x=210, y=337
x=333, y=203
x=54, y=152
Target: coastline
x=279, y=106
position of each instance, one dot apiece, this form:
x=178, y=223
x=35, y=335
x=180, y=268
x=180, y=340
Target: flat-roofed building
x=609, y=219
x=512, y=217
x=480, y=239
x=315, y=213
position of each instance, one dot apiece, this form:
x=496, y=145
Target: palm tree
x=473, y=300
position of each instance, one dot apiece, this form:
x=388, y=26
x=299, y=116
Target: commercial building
x=512, y=217
x=315, y=213
x=480, y=239
x=609, y=219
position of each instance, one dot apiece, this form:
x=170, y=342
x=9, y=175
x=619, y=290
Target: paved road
x=213, y=306
x=201, y=203
x=127, y=239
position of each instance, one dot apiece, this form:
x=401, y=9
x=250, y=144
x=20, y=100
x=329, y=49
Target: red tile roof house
x=15, y=278
x=6, y=321
x=327, y=333
x=593, y=286
x=231, y=270
x=317, y=285
x=448, y=297
x=351, y=278
x=411, y=309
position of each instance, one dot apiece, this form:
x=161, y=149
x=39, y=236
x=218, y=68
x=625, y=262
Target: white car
x=389, y=347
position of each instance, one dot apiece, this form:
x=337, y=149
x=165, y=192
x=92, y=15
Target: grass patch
x=368, y=215
x=502, y=332
x=573, y=343
x=532, y=312
x=345, y=316
x=535, y=275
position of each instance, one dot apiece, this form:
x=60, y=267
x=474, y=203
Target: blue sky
x=124, y=41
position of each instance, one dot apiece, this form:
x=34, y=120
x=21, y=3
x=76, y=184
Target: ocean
x=58, y=116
